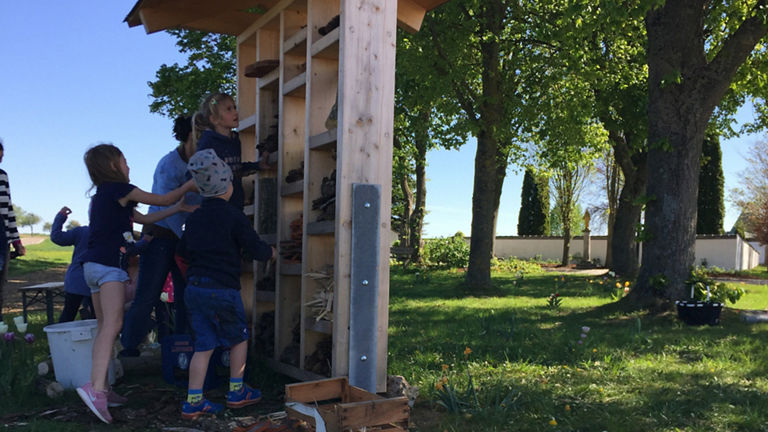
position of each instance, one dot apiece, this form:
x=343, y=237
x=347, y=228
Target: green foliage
x=554, y=301
x=533, y=218
x=710, y=202
x=39, y=257
x=211, y=67
x=556, y=221
x=451, y=252
x=704, y=288
x=516, y=266
x=18, y=369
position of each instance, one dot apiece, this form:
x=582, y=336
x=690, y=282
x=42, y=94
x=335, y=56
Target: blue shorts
x=97, y=275
x=216, y=314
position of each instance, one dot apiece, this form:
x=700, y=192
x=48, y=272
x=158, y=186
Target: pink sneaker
x=96, y=401
x=115, y=400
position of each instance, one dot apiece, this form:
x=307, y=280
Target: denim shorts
x=216, y=316
x=97, y=275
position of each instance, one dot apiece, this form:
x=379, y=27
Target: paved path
x=744, y=280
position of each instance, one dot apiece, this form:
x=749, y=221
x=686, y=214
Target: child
x=217, y=118
x=112, y=214
x=212, y=242
x=75, y=289
x=9, y=234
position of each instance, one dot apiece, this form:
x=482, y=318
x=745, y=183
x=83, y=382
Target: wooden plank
x=356, y=415
x=292, y=371
x=296, y=44
x=247, y=122
x=292, y=189
x=327, y=46
x=316, y=391
x=367, y=68
x=356, y=394
x=295, y=86
x=410, y=15
x=323, y=140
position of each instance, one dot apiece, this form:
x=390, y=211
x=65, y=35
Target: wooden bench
x=44, y=292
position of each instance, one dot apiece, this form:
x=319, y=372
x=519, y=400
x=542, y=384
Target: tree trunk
x=405, y=235
x=485, y=205
x=684, y=89
x=623, y=246
x=417, y=217
x=611, y=187
x=565, y=260
x=490, y=159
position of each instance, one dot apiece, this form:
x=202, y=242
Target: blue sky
x=73, y=74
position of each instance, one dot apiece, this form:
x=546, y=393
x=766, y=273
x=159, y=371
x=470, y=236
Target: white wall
x=760, y=250
x=729, y=252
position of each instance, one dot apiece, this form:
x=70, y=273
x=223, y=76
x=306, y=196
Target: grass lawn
x=509, y=362
x=41, y=256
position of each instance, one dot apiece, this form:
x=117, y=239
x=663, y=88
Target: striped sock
x=195, y=396
x=235, y=384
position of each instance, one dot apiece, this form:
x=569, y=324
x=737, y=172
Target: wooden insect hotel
x=316, y=90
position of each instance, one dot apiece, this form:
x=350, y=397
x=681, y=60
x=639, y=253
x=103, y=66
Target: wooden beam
x=410, y=15
x=271, y=13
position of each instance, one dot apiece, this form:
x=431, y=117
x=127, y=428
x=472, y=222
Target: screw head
x=365, y=282
x=367, y=205
x=363, y=358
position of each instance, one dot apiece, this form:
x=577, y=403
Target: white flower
x=585, y=329
x=164, y=297
x=583, y=335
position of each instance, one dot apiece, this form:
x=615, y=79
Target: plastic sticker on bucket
x=71, y=345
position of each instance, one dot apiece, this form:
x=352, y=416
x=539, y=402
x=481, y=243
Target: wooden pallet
x=344, y=407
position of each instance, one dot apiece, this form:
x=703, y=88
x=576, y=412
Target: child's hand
x=65, y=211
x=183, y=206
x=274, y=254
x=189, y=186
x=264, y=162
x=20, y=249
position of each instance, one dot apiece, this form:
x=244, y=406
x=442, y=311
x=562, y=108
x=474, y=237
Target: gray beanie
x=211, y=174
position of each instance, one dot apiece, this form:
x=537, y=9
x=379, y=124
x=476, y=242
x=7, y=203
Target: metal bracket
x=364, y=290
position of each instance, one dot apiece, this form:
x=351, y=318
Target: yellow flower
x=553, y=422
x=467, y=416
x=618, y=285
x=567, y=407
x=439, y=386
x=601, y=282
x=445, y=367
x=626, y=284
x=467, y=351
x=594, y=349
x=444, y=380
x=562, y=278
x=565, y=366
x=601, y=389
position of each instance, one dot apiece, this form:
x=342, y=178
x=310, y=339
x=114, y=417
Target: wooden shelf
x=290, y=269
x=293, y=371
x=322, y=326
x=296, y=44
x=292, y=189
x=323, y=141
x=327, y=46
x=321, y=227
x=269, y=81
x=264, y=296
x=295, y=86
x=247, y=123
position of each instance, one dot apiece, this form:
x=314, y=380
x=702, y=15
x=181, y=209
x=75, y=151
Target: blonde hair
x=103, y=163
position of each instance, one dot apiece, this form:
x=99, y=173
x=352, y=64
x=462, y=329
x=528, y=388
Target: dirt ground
x=153, y=404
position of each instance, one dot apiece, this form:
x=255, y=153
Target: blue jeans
x=154, y=264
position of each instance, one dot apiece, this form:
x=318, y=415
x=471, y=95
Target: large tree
x=695, y=49
x=210, y=67
x=477, y=49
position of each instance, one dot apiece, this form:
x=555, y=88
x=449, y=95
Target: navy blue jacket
x=74, y=282
x=228, y=149
x=214, y=237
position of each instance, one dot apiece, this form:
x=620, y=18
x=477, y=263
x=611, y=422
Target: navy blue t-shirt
x=108, y=221
x=213, y=238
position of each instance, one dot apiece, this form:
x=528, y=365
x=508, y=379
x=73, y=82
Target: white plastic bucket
x=71, y=345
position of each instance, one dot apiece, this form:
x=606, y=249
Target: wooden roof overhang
x=234, y=17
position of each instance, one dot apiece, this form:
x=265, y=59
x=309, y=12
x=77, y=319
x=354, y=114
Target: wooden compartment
x=344, y=407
